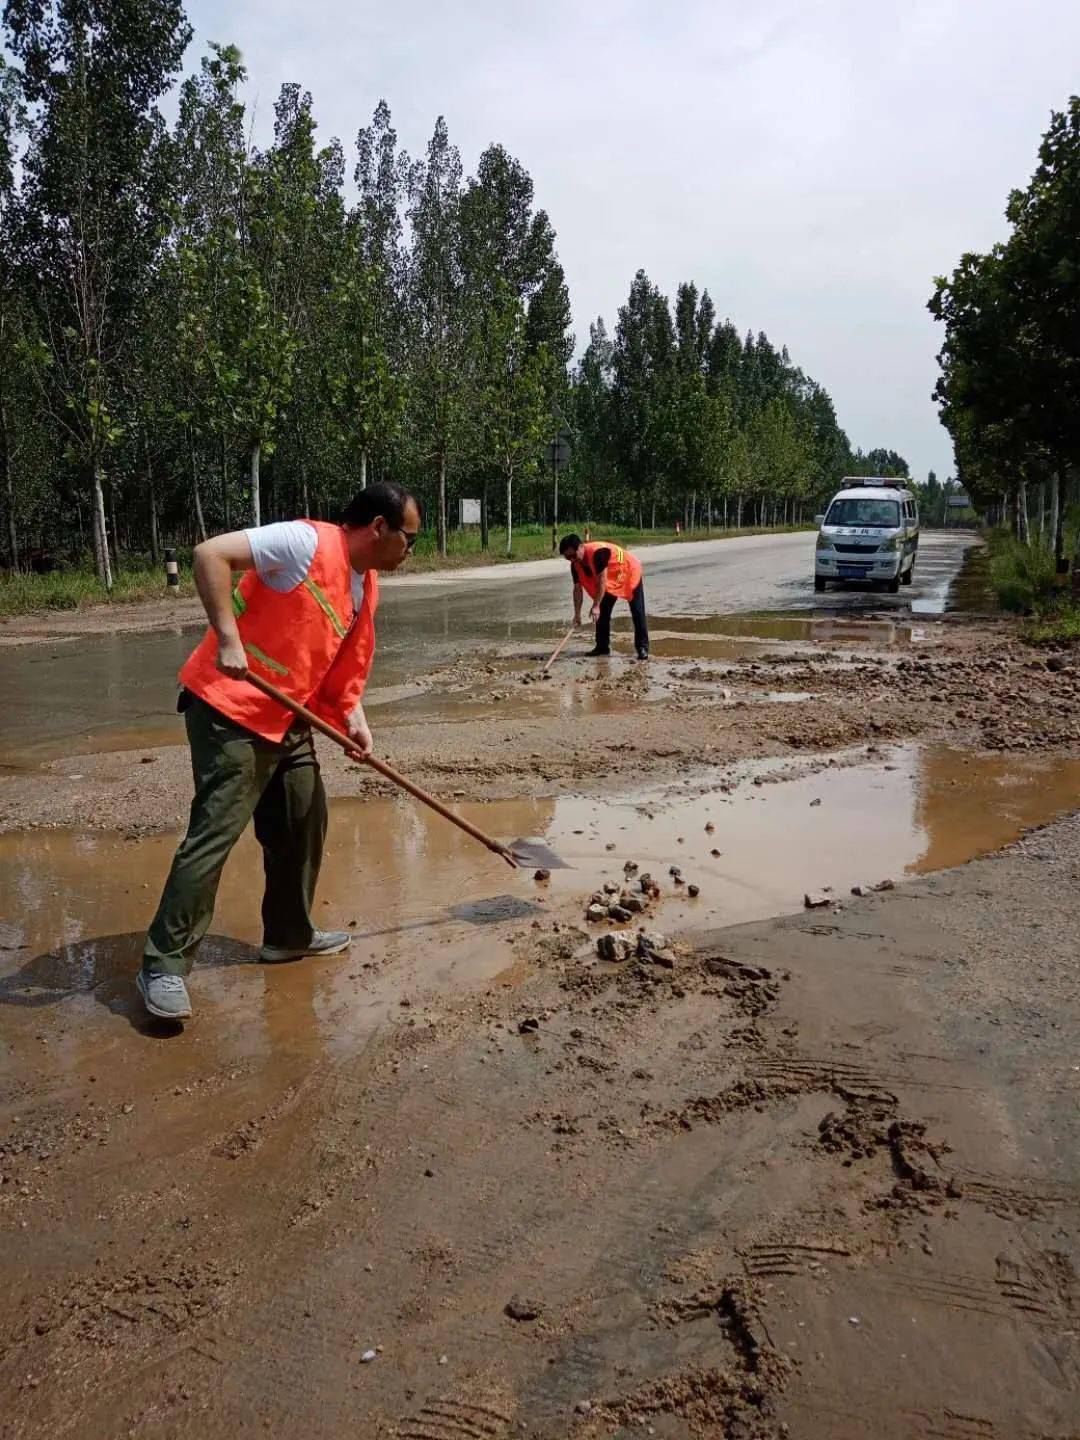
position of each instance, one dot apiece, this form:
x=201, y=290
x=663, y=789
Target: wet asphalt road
x=717, y=577
x=118, y=691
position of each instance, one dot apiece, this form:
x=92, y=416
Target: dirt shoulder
x=817, y=1177
x=488, y=727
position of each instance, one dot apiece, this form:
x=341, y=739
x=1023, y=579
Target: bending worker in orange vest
x=608, y=573
x=303, y=616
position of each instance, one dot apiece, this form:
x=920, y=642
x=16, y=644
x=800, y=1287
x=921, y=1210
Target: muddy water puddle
x=823, y=630
x=433, y=914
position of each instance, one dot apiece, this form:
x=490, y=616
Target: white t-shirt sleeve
x=283, y=552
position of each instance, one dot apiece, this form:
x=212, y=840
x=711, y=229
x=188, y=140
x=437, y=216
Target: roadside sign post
x=557, y=455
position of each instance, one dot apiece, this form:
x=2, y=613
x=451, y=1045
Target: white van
x=869, y=532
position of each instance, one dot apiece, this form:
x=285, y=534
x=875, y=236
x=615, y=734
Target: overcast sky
x=812, y=165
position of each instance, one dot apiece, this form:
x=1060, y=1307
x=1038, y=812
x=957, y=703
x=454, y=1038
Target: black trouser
x=637, y=612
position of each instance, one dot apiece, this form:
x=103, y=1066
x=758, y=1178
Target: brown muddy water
x=432, y=912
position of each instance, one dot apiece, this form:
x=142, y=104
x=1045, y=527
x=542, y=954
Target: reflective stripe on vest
x=621, y=575
x=300, y=639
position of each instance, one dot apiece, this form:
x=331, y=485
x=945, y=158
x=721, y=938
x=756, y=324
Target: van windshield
x=884, y=513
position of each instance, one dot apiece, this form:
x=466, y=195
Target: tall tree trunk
x=200, y=523
x=1022, y=516
x=1042, y=511
x=653, y=521
x=363, y=468
x=101, y=537
x=256, y=455
x=509, y=512
x=485, y=533
x=708, y=512
x=1057, y=522
x=440, y=519
x=113, y=527
x=738, y=512
x=306, y=508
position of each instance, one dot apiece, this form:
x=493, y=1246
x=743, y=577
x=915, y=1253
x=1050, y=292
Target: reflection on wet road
x=430, y=908
x=118, y=692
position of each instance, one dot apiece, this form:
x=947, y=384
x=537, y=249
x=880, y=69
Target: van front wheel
x=893, y=585
x=909, y=574
x=819, y=585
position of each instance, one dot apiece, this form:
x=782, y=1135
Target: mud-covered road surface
x=795, y=1161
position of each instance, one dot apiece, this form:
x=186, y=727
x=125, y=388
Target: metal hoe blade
x=532, y=854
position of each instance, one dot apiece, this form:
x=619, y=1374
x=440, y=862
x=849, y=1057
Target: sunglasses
x=411, y=537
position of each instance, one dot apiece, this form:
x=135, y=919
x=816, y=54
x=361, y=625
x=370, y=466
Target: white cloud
x=814, y=165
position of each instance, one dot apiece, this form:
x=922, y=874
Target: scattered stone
x=634, y=903
x=630, y=868
x=610, y=845
x=610, y=888
x=620, y=914
x=528, y=1026
x=862, y=890
x=885, y=885
x=542, y=875
x=1057, y=663
x=596, y=912
x=814, y=804
x=674, y=871
x=367, y=1357
x=148, y=760
x=651, y=940
x=613, y=947
x=519, y=1307
x=444, y=1359
x=816, y=899
x=709, y=827
x=716, y=854
x=429, y=1174
x=693, y=891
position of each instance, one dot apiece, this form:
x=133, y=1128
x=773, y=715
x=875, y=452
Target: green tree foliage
x=196, y=333
x=91, y=206
x=1009, y=389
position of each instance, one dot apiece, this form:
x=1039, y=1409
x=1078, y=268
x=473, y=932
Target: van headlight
x=892, y=544
x=824, y=542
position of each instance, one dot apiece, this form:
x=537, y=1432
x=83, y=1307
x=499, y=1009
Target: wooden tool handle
x=558, y=648
x=349, y=746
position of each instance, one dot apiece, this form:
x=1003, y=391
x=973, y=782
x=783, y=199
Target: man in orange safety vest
x=302, y=616
x=607, y=572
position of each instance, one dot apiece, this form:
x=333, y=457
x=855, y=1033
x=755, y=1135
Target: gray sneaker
x=323, y=942
x=164, y=995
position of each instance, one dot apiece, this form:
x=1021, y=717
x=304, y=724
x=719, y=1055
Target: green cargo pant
x=239, y=776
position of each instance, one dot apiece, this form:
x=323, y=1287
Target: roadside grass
x=75, y=586
x=1024, y=580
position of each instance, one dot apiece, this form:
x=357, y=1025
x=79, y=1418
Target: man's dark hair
x=384, y=499
x=569, y=542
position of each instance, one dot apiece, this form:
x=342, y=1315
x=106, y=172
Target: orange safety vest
x=622, y=574
x=306, y=640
